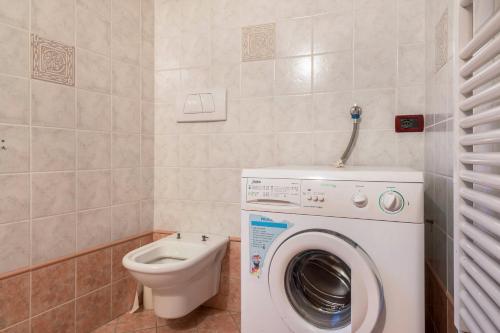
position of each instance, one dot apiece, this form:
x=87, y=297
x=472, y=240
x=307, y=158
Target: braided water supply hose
x=356, y=119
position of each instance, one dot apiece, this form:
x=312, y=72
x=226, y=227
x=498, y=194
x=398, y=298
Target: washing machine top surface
x=353, y=173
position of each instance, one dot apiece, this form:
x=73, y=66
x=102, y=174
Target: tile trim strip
x=75, y=255
x=94, y=249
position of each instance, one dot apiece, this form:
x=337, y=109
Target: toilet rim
x=130, y=259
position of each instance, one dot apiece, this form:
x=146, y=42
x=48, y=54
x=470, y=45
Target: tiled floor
x=202, y=320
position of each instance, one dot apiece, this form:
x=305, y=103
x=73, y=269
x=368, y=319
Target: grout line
x=30, y=311
x=77, y=136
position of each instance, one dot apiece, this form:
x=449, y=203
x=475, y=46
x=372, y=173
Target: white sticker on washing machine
x=263, y=232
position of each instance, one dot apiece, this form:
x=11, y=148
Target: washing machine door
x=320, y=281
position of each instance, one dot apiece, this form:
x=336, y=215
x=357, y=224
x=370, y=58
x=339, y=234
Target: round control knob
x=391, y=202
x=359, y=200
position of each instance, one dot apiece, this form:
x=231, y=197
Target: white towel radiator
x=477, y=167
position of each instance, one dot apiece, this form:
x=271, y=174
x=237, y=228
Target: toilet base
x=179, y=301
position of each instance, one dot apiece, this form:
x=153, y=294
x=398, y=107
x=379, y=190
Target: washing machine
x=332, y=250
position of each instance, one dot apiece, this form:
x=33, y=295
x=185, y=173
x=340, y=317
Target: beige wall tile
x=411, y=64
x=375, y=26
x=147, y=215
x=332, y=72
x=53, y=149
x=93, y=72
x=126, y=185
x=93, y=110
x=52, y=104
x=147, y=151
x=125, y=80
x=15, y=12
x=376, y=148
x=379, y=108
x=126, y=150
x=147, y=183
x=294, y=37
x=54, y=19
x=193, y=150
x=126, y=32
x=14, y=100
x=329, y=146
x=147, y=118
x=126, y=115
x=94, y=189
x=14, y=51
x=99, y=7
x=259, y=150
x=224, y=151
x=294, y=148
x=366, y=75
x=193, y=184
x=14, y=246
x=126, y=220
x=225, y=184
x=226, y=219
x=14, y=198
x=256, y=115
x=411, y=15
x=167, y=181
x=148, y=87
x=93, y=228
x=292, y=113
x=94, y=150
x=93, y=32
x=53, y=237
x=333, y=32
x=15, y=156
x=257, y=78
x=53, y=193
x=331, y=111
x=166, y=150
x=293, y=75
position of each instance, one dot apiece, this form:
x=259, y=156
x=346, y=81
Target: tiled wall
x=303, y=64
x=438, y=164
x=76, y=170
x=74, y=295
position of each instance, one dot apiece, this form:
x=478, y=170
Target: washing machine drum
x=321, y=281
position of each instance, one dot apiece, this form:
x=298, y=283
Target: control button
x=391, y=202
x=321, y=198
x=309, y=197
x=315, y=198
x=359, y=200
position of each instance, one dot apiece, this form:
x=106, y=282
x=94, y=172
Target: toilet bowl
x=183, y=271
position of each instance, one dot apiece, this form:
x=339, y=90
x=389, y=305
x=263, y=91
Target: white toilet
x=183, y=270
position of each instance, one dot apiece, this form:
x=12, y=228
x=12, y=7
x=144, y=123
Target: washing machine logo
x=263, y=232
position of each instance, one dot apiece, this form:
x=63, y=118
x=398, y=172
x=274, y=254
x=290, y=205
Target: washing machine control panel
x=365, y=200
x=273, y=191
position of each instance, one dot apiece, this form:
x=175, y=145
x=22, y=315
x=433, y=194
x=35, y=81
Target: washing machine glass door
x=321, y=281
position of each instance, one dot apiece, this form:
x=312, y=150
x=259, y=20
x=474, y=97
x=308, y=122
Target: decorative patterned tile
x=52, y=61
x=441, y=40
x=258, y=42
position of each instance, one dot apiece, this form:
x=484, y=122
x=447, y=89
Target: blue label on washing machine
x=263, y=232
